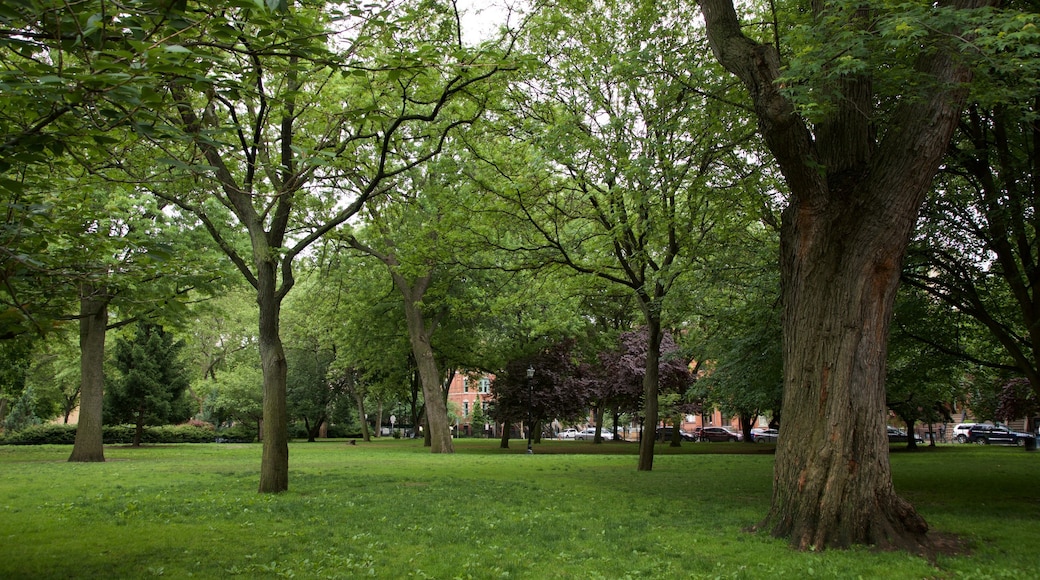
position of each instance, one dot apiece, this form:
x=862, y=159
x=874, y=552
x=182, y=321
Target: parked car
x=570, y=433
x=896, y=435
x=590, y=434
x=960, y=432
x=764, y=435
x=996, y=435
x=720, y=434
x=665, y=434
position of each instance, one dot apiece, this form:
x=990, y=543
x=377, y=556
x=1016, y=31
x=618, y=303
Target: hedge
x=59, y=434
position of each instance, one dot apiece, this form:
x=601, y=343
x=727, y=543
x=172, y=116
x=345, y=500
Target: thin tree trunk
x=274, y=463
x=437, y=428
x=504, y=444
x=746, y=422
x=93, y=322
x=650, y=380
x=366, y=435
x=414, y=407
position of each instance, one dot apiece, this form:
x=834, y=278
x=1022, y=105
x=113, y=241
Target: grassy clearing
x=391, y=510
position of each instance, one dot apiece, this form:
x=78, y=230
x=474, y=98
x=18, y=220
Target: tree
x=149, y=389
x=857, y=154
x=294, y=133
x=415, y=269
x=1017, y=400
x=73, y=80
x=540, y=387
x=477, y=418
x=237, y=395
x=976, y=250
x=623, y=158
x=310, y=352
x=922, y=379
x=619, y=375
x=738, y=335
x=23, y=412
x=54, y=375
x=15, y=361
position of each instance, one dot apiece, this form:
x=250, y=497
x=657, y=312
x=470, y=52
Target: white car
x=590, y=434
x=571, y=433
x=960, y=432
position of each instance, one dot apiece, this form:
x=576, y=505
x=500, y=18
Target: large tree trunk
x=843, y=238
x=274, y=462
x=93, y=322
x=832, y=484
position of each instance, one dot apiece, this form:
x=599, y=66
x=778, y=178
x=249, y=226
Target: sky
x=482, y=18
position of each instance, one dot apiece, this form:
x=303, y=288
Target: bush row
x=124, y=434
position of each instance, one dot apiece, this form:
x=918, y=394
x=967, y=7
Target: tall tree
x=310, y=352
x=978, y=244
x=618, y=377
x=858, y=164
x=623, y=156
x=293, y=133
x=75, y=86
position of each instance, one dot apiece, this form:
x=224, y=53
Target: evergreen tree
x=151, y=383
x=477, y=418
x=23, y=413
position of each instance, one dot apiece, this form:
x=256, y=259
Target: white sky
x=481, y=19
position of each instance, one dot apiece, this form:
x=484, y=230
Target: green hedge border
x=60, y=434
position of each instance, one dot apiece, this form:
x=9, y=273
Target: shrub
x=23, y=413
x=55, y=434
x=237, y=434
x=342, y=431
x=181, y=434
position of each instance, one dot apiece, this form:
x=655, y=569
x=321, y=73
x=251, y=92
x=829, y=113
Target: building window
x=485, y=386
x=465, y=408
x=465, y=384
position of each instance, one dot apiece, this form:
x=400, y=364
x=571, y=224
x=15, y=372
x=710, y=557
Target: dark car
x=665, y=434
x=996, y=435
x=716, y=434
x=764, y=435
x=899, y=436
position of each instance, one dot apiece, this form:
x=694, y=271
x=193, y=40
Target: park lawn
x=389, y=509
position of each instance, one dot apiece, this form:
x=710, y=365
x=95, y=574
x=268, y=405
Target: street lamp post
x=530, y=409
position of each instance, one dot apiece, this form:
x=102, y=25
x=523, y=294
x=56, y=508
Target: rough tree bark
x=93, y=323
x=853, y=203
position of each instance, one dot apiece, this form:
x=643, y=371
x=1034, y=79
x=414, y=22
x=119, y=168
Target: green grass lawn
x=389, y=509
